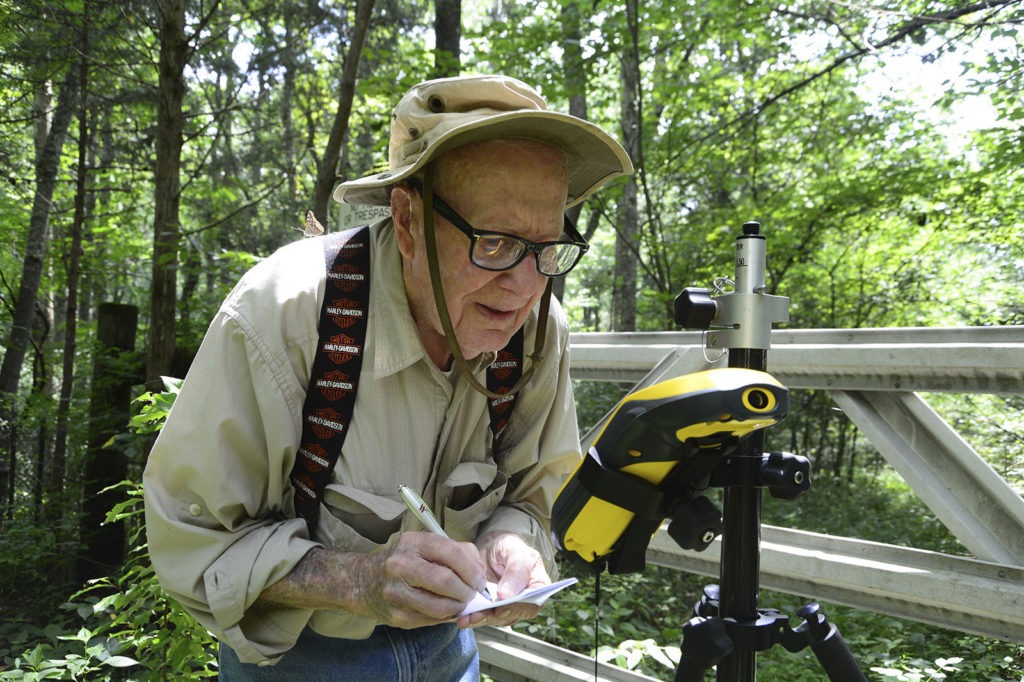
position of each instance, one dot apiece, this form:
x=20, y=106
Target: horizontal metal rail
x=963, y=360
x=508, y=656
x=958, y=593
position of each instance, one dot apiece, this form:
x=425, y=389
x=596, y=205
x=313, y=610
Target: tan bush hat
x=440, y=115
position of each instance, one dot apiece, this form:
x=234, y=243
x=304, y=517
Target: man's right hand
x=423, y=579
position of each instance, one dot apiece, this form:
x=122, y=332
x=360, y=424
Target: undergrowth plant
x=123, y=627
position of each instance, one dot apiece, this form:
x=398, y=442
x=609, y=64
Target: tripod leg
x=829, y=647
x=705, y=642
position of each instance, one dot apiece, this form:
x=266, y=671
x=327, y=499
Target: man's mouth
x=496, y=313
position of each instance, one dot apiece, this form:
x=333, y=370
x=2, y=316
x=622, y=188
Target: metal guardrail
x=874, y=375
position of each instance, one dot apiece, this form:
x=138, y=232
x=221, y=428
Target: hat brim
x=592, y=156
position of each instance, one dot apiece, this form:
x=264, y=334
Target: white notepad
x=537, y=595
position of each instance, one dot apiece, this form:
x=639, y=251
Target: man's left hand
x=515, y=566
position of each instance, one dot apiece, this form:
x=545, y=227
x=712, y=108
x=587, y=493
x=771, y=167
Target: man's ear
x=404, y=207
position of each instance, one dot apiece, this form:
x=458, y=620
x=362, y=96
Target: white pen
x=422, y=512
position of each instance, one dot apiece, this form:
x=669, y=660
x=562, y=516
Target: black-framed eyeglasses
x=499, y=251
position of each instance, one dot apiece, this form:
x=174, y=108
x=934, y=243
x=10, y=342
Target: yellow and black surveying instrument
x=664, y=445
x=654, y=455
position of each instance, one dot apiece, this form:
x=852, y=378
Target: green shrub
x=119, y=628
x=127, y=628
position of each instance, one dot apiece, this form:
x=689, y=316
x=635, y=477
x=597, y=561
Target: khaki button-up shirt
x=219, y=510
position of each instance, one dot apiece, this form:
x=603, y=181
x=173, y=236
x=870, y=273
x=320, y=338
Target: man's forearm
x=325, y=580
x=422, y=579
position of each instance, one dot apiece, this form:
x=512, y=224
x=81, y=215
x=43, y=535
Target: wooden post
x=105, y=463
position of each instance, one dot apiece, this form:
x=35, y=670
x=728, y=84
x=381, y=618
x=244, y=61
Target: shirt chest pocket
x=473, y=491
x=357, y=520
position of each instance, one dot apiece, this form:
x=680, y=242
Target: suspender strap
x=502, y=375
x=331, y=396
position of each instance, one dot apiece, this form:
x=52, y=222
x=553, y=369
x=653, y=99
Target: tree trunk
x=54, y=481
x=6, y=487
x=447, y=38
x=288, y=136
x=167, y=191
x=626, y=243
x=46, y=169
x=105, y=465
x=41, y=394
x=574, y=68
x=327, y=173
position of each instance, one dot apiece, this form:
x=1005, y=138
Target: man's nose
x=525, y=276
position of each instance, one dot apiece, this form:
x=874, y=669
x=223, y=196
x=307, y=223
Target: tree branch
x=901, y=33
x=241, y=208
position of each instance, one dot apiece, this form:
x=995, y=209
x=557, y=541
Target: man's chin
x=489, y=343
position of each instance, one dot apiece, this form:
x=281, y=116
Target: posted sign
x=352, y=215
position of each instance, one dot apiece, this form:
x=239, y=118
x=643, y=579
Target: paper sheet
x=537, y=595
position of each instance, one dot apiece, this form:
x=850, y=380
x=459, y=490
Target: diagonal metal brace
x=964, y=492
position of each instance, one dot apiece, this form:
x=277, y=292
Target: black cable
x=597, y=618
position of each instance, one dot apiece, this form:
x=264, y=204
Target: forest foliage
x=150, y=152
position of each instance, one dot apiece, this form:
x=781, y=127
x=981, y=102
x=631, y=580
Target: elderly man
x=276, y=519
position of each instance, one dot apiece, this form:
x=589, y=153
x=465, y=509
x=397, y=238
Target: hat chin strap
x=442, y=306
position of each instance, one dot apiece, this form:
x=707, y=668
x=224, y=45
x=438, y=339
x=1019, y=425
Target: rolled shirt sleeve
x=218, y=499
x=215, y=484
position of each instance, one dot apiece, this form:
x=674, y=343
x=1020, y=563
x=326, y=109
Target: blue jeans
x=441, y=653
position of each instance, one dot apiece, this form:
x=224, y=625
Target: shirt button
x=195, y=509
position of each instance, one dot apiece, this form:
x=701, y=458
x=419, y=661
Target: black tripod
x=729, y=628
